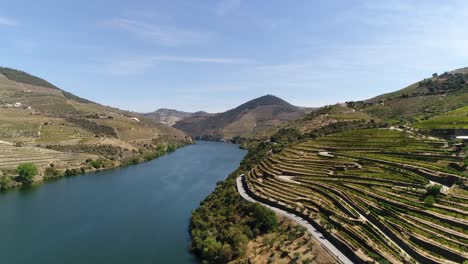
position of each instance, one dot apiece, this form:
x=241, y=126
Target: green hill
x=456, y=119
x=382, y=193
x=419, y=101
x=36, y=113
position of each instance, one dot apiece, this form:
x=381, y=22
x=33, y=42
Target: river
x=138, y=214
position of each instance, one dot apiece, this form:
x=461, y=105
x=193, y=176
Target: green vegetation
x=264, y=219
x=23, y=77
x=433, y=190
x=378, y=173
x=420, y=101
x=101, y=150
x=97, y=129
x=76, y=98
x=429, y=200
x=97, y=164
x=456, y=119
x=51, y=172
x=26, y=172
x=6, y=183
x=224, y=219
x=73, y=129
x=341, y=163
x=224, y=223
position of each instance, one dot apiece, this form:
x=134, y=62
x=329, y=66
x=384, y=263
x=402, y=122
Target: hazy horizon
x=214, y=55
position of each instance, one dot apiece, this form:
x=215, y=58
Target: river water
x=138, y=214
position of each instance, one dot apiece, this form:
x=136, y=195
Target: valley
x=234, y=132
x=380, y=182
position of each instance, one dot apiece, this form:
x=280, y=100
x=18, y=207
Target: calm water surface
x=138, y=214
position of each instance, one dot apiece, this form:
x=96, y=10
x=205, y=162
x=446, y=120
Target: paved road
x=325, y=243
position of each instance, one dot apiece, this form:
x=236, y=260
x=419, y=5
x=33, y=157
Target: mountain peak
x=264, y=100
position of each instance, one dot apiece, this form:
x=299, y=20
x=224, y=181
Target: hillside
x=366, y=174
x=170, y=116
x=35, y=113
x=456, y=119
x=244, y=121
x=419, y=101
x=373, y=185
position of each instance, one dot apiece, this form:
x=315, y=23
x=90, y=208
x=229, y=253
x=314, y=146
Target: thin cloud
x=164, y=35
x=138, y=65
x=225, y=6
x=5, y=21
x=205, y=60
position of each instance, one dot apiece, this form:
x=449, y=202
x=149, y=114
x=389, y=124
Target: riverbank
x=136, y=214
x=10, y=180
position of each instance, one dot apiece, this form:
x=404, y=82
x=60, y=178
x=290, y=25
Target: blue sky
x=215, y=55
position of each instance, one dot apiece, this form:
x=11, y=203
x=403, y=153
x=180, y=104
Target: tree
x=435, y=75
x=264, y=219
x=26, y=172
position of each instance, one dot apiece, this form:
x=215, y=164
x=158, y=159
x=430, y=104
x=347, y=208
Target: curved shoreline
x=326, y=244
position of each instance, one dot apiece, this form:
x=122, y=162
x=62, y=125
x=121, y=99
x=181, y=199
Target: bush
x=6, y=183
x=429, y=200
x=433, y=190
x=26, y=172
x=97, y=164
x=72, y=172
x=52, y=173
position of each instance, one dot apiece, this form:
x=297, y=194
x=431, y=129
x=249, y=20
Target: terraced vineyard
x=454, y=119
x=11, y=156
x=366, y=190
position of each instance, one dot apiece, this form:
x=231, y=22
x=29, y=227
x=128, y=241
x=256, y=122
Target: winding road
x=335, y=252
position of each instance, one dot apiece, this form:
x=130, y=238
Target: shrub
x=72, y=172
x=429, y=200
x=97, y=164
x=26, y=172
x=433, y=189
x=52, y=173
x=6, y=183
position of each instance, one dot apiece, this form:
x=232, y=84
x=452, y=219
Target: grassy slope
x=419, y=101
x=457, y=118
x=69, y=123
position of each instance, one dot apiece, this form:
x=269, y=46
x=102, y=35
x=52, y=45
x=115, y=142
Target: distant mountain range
x=170, y=116
x=244, y=121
